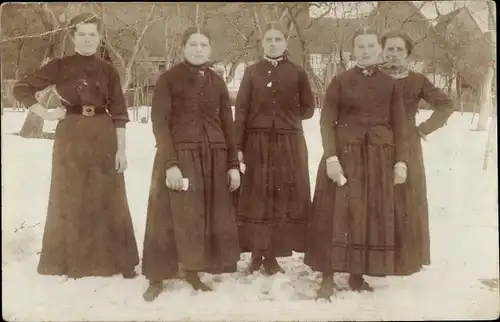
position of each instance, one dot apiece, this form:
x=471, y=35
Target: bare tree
x=140, y=31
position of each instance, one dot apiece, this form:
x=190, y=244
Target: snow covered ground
x=464, y=228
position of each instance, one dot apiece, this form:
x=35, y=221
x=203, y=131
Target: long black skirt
x=89, y=230
x=194, y=228
x=413, y=237
x=353, y=227
x=275, y=199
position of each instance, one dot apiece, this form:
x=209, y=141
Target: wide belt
x=87, y=110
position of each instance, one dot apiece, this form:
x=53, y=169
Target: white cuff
x=401, y=164
x=332, y=159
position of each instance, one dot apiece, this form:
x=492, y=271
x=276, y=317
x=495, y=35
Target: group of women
x=222, y=185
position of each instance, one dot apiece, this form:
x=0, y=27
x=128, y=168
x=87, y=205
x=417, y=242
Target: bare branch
x=324, y=14
x=437, y=8
x=108, y=42
x=257, y=21
x=45, y=33
x=238, y=30
x=283, y=15
x=147, y=25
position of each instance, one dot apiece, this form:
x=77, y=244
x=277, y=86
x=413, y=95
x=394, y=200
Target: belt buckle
x=88, y=110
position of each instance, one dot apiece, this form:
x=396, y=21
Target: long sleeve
x=243, y=101
x=117, y=107
x=24, y=91
x=161, y=111
x=328, y=118
x=306, y=97
x=399, y=124
x=442, y=104
x=226, y=117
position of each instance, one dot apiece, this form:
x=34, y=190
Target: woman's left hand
x=120, y=161
x=400, y=172
x=234, y=179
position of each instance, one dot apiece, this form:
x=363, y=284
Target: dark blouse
x=190, y=108
x=359, y=107
x=79, y=80
x=269, y=96
x=416, y=87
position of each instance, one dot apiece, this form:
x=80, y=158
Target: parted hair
x=85, y=17
x=365, y=31
x=275, y=25
x=194, y=30
x=398, y=34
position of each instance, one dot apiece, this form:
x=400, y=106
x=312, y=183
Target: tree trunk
x=485, y=101
x=458, y=88
x=485, y=98
x=490, y=143
x=232, y=71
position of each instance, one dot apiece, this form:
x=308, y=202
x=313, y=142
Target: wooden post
x=458, y=88
x=490, y=142
x=136, y=102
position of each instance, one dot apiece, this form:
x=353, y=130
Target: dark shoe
x=154, y=290
x=327, y=289
x=357, y=283
x=271, y=266
x=130, y=275
x=194, y=280
x=255, y=264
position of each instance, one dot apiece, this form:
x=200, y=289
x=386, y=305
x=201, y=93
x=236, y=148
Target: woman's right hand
x=174, y=178
x=334, y=170
x=57, y=114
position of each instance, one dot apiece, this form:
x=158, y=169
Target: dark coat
x=88, y=231
x=414, y=247
x=79, y=80
x=352, y=228
x=269, y=97
x=274, y=201
x=188, y=110
x=193, y=127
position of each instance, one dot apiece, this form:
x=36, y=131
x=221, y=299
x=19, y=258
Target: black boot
x=154, y=290
x=357, y=283
x=130, y=274
x=255, y=263
x=327, y=288
x=194, y=280
x=272, y=266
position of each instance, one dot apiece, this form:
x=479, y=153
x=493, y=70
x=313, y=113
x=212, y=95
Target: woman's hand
x=56, y=114
x=400, y=172
x=234, y=179
x=40, y=110
x=174, y=178
x=120, y=161
x=334, y=170
x=242, y=164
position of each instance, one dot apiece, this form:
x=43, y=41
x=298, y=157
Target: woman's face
x=367, y=49
x=395, y=51
x=274, y=43
x=197, y=49
x=86, y=38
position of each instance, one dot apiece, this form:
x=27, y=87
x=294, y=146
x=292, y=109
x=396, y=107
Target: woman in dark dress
x=193, y=225
x=88, y=231
x=274, y=203
x=413, y=249
x=363, y=128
